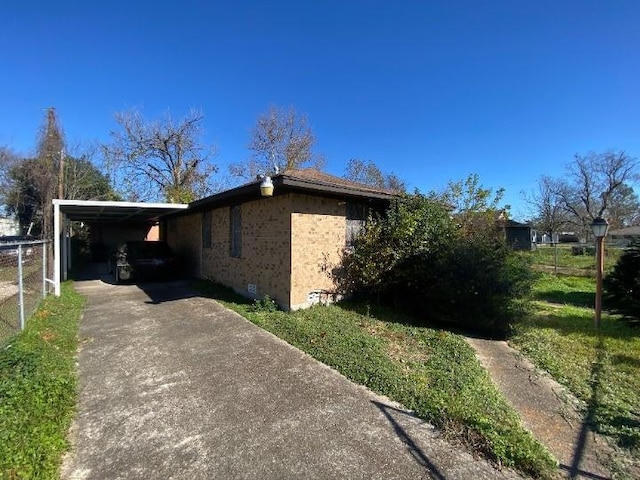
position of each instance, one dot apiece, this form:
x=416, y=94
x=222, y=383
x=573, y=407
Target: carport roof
x=103, y=211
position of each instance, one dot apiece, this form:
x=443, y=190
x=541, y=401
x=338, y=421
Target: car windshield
x=148, y=249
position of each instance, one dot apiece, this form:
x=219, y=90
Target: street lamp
x=599, y=227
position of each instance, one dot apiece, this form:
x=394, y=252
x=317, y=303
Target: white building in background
x=9, y=227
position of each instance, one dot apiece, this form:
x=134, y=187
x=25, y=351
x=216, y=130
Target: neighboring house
x=623, y=236
x=281, y=246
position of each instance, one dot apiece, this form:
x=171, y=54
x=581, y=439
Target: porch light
x=266, y=187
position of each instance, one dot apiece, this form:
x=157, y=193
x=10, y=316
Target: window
x=206, y=229
x=356, y=218
x=235, y=231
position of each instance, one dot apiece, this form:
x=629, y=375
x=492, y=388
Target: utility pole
x=61, y=176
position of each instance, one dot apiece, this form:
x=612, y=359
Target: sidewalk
x=547, y=410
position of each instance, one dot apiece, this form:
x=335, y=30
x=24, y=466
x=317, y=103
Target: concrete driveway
x=173, y=385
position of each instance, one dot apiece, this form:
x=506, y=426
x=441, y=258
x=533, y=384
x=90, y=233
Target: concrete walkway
x=547, y=409
x=173, y=385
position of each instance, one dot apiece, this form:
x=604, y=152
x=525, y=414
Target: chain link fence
x=24, y=269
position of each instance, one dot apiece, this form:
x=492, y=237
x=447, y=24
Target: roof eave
x=283, y=185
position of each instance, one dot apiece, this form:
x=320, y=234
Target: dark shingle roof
x=307, y=181
x=317, y=177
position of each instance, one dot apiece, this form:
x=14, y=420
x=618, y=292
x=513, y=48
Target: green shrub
x=473, y=285
x=622, y=284
x=454, y=269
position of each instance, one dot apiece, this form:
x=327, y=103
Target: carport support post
x=56, y=248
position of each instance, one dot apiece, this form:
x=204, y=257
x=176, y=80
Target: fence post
x=44, y=269
x=20, y=288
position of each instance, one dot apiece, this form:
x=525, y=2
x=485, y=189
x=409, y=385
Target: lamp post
x=599, y=227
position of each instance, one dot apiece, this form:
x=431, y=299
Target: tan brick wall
x=285, y=243
x=184, y=237
x=319, y=230
x=265, y=259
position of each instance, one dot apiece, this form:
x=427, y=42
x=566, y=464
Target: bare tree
x=368, y=173
x=159, y=159
x=592, y=183
x=281, y=140
x=548, y=211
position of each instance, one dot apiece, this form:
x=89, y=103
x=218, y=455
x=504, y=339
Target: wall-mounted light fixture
x=266, y=186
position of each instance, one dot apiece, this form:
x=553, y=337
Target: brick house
x=274, y=245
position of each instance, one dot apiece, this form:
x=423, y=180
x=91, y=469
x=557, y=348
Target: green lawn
x=38, y=389
x=601, y=367
x=432, y=372
x=544, y=258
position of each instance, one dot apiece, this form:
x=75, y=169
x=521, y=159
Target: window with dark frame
x=356, y=219
x=235, y=231
x=206, y=229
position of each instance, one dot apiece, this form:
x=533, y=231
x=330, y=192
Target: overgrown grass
x=600, y=367
x=38, y=389
x=432, y=372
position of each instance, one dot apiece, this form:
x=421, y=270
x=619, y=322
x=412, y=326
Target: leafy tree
x=8, y=159
x=28, y=187
x=159, y=159
x=281, y=140
x=25, y=199
x=368, y=173
x=474, y=207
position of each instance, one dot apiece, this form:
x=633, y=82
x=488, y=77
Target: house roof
x=635, y=230
x=314, y=176
x=514, y=224
x=308, y=181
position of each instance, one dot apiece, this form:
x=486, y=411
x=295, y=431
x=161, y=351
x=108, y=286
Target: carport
x=97, y=212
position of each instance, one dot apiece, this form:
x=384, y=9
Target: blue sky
x=432, y=91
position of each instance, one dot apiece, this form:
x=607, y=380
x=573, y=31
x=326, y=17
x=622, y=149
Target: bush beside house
x=420, y=258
